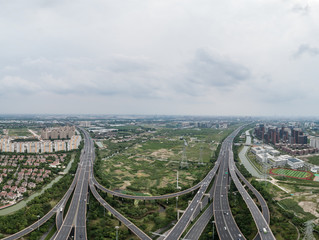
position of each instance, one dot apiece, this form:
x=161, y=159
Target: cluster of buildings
x=32, y=170
x=267, y=154
x=7, y=145
x=291, y=140
x=274, y=135
x=65, y=132
x=296, y=149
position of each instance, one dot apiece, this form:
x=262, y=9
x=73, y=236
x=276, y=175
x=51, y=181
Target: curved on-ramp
x=138, y=232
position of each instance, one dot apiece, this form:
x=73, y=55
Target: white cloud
x=185, y=56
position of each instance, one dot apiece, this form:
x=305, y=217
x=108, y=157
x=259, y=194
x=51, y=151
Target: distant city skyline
x=247, y=58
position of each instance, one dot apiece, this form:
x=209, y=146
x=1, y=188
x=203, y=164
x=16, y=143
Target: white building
x=263, y=157
x=314, y=142
x=278, y=161
x=59, y=145
x=274, y=152
x=295, y=163
x=315, y=169
x=74, y=142
x=257, y=150
x=46, y=146
x=43, y=146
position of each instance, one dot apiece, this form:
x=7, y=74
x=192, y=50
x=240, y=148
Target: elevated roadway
x=262, y=225
x=139, y=233
x=171, y=195
x=225, y=223
x=183, y=222
x=76, y=215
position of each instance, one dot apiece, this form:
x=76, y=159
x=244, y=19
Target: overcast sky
x=194, y=57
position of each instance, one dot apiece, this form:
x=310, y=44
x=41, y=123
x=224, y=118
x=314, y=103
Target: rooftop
x=295, y=160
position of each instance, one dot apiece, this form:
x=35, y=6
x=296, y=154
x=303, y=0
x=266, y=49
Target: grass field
x=142, y=166
x=19, y=132
x=314, y=160
x=292, y=173
x=293, y=206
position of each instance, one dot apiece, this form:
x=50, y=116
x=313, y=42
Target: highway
x=139, y=233
x=261, y=200
x=197, y=229
x=171, y=195
x=76, y=215
x=225, y=223
x=259, y=219
x=59, y=219
x=183, y=222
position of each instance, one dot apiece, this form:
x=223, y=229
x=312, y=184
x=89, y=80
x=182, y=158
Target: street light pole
x=176, y=208
x=117, y=232
x=38, y=221
x=213, y=222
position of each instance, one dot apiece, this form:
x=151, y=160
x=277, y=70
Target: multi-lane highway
x=183, y=222
x=262, y=225
x=197, y=229
x=138, y=232
x=261, y=200
x=76, y=215
x=225, y=224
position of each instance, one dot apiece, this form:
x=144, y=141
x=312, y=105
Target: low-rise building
x=315, y=169
x=278, y=161
x=11, y=195
x=295, y=163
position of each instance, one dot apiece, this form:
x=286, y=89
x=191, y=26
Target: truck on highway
x=264, y=230
x=61, y=209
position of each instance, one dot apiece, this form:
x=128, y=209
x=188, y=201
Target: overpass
x=84, y=179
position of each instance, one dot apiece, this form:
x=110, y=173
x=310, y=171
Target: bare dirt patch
x=125, y=184
x=144, y=159
x=164, y=182
x=309, y=207
x=190, y=178
x=118, y=171
x=140, y=173
x=162, y=153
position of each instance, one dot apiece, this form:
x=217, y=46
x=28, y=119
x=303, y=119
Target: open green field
x=145, y=166
x=16, y=132
x=314, y=160
x=291, y=173
x=293, y=206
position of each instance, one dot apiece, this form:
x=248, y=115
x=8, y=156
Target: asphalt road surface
x=76, y=215
x=259, y=219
